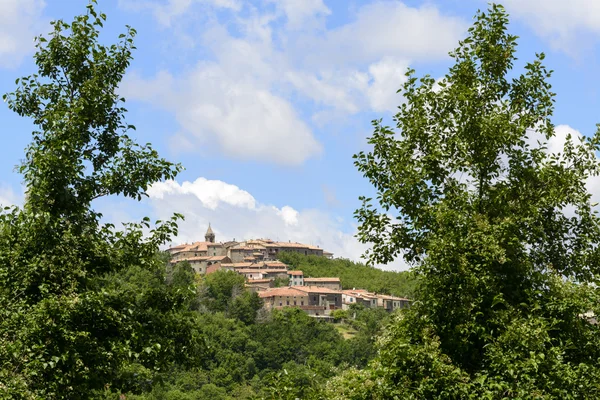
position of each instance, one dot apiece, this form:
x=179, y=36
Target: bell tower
x=210, y=235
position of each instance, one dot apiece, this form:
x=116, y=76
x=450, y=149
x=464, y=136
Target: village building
x=200, y=264
x=284, y=297
x=249, y=251
x=321, y=296
x=331, y=283
x=259, y=285
x=360, y=297
x=250, y=274
x=296, y=278
x=267, y=250
x=391, y=303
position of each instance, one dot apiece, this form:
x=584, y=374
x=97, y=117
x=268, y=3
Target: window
x=302, y=303
x=314, y=298
x=287, y=302
x=280, y=304
x=294, y=302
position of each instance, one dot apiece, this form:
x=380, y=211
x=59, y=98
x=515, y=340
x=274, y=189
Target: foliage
x=352, y=274
x=91, y=311
x=62, y=333
x=503, y=235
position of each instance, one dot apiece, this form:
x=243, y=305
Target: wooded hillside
x=352, y=274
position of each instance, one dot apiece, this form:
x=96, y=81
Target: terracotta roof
x=386, y=297
x=282, y=291
x=213, y=268
x=260, y=271
x=197, y=258
x=259, y=280
x=360, y=293
x=218, y=258
x=237, y=265
x=275, y=264
x=295, y=273
x=202, y=258
x=322, y=279
x=196, y=246
x=315, y=289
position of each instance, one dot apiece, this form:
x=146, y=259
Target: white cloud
x=556, y=144
x=166, y=13
x=242, y=102
x=8, y=197
x=236, y=214
x=288, y=214
x=563, y=23
x=20, y=22
x=300, y=14
x=241, y=117
x=211, y=193
x=390, y=29
x=388, y=75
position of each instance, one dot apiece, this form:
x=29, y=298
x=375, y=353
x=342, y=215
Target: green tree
x=63, y=332
x=502, y=234
x=220, y=289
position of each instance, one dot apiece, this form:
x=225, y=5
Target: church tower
x=210, y=235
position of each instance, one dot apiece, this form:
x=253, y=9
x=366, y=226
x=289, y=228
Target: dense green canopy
x=503, y=234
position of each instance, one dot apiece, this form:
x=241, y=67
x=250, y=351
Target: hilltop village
x=274, y=281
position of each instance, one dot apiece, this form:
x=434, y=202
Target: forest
x=353, y=274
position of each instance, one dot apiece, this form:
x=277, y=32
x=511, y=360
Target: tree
x=221, y=288
x=502, y=234
x=63, y=331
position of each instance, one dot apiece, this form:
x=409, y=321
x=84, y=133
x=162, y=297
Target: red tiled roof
x=260, y=271
x=315, y=289
x=237, y=265
x=283, y=291
x=322, y=279
x=295, y=273
x=259, y=280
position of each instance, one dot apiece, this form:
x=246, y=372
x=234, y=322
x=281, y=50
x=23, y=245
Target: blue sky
x=264, y=102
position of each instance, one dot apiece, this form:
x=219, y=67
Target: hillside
x=352, y=274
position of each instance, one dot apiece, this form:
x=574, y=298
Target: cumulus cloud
x=236, y=214
x=8, y=197
x=390, y=29
x=301, y=14
x=243, y=99
x=20, y=22
x=561, y=22
x=240, y=117
x=165, y=13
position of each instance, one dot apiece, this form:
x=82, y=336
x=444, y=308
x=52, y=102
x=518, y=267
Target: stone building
x=358, y=296
x=284, y=297
x=391, y=303
x=331, y=283
x=296, y=278
x=321, y=296
x=251, y=251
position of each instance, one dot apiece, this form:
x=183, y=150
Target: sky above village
x=264, y=102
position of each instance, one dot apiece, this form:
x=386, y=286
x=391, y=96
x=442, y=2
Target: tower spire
x=210, y=235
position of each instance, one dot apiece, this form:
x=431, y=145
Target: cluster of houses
x=257, y=261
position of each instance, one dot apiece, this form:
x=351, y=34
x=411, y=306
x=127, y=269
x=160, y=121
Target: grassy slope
x=353, y=275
